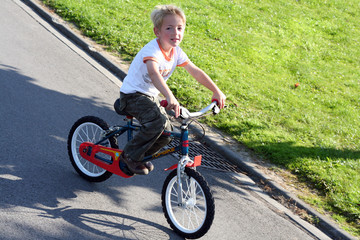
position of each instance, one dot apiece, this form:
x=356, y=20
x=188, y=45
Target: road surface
x=46, y=84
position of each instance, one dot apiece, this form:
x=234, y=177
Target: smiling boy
x=147, y=77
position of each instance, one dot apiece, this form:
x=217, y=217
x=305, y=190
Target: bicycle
x=187, y=200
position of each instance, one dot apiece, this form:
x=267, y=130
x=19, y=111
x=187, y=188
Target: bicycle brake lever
x=184, y=113
x=216, y=110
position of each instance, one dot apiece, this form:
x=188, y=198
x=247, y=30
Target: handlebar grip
x=164, y=103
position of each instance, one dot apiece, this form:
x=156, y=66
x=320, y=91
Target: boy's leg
x=153, y=120
x=163, y=140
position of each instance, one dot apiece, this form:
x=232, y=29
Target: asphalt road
x=46, y=84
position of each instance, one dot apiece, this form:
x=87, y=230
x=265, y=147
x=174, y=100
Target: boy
x=147, y=77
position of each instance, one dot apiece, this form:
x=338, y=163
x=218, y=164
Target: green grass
x=256, y=51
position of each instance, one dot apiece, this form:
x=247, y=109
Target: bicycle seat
x=117, y=109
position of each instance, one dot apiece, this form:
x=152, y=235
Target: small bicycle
x=187, y=200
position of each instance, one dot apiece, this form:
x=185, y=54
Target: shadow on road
x=34, y=166
x=109, y=224
x=35, y=171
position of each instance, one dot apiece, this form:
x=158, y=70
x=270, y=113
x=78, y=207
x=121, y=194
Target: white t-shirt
x=138, y=79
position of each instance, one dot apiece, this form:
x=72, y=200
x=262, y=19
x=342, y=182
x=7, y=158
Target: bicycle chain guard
x=89, y=152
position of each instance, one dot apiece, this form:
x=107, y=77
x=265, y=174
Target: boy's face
x=171, y=32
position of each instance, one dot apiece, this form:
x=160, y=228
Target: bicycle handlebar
x=185, y=114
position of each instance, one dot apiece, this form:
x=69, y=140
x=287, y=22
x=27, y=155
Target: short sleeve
x=150, y=52
x=182, y=58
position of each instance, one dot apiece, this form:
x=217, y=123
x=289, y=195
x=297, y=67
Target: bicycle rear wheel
x=88, y=129
x=193, y=218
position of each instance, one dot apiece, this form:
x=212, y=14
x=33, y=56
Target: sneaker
x=135, y=167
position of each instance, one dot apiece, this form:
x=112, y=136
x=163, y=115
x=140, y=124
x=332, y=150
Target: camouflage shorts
x=153, y=120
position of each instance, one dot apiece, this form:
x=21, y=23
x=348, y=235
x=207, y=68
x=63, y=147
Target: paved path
x=46, y=84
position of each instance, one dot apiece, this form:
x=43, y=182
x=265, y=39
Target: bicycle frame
x=187, y=201
x=89, y=150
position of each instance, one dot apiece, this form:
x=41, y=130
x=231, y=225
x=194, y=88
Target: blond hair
x=161, y=11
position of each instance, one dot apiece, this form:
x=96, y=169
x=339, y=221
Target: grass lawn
x=256, y=51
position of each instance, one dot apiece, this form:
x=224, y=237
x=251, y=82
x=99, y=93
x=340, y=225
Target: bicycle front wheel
x=193, y=217
x=88, y=129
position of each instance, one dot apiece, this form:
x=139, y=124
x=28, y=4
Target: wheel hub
x=190, y=203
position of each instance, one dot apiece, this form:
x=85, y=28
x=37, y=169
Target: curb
x=66, y=31
x=324, y=224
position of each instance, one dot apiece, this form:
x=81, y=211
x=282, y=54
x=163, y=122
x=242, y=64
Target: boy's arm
x=161, y=85
x=205, y=80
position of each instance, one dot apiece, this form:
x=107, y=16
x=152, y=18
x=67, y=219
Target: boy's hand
x=173, y=104
x=220, y=98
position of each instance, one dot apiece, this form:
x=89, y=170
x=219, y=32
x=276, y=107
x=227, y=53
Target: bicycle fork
x=183, y=163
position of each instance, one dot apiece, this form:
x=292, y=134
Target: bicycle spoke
x=201, y=210
x=94, y=131
x=81, y=139
x=84, y=130
x=196, y=216
x=190, y=222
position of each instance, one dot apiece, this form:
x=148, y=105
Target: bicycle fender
x=196, y=163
